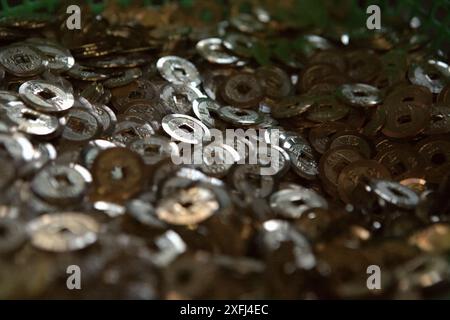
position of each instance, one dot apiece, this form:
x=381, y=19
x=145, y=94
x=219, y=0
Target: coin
x=242, y=90
x=356, y=172
x=21, y=60
x=45, y=96
x=63, y=232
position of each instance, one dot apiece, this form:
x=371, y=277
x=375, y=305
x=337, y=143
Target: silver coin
x=17, y=146
x=248, y=180
x=82, y=125
x=107, y=119
x=31, y=121
x=63, y=232
x=185, y=128
x=433, y=74
x=212, y=50
x=130, y=128
x=275, y=161
x=238, y=116
x=44, y=153
x=144, y=212
x=45, y=96
x=303, y=160
x=202, y=108
x=21, y=60
x=293, y=202
x=8, y=96
x=359, y=94
x=179, y=98
x=59, y=184
x=218, y=159
x=154, y=149
x=178, y=70
x=57, y=58
x=394, y=193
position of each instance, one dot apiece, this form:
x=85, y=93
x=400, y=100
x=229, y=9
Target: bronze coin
x=353, y=139
x=375, y=123
x=406, y=120
x=444, y=95
x=118, y=174
x=333, y=161
x=242, y=90
x=436, y=154
x=320, y=136
x=314, y=74
x=274, y=81
x=363, y=66
x=292, y=106
x=400, y=161
x=329, y=57
x=327, y=108
x=440, y=119
x=354, y=173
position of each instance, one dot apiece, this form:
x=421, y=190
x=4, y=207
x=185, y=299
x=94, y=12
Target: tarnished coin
x=213, y=51
x=292, y=106
x=275, y=82
x=178, y=70
x=326, y=108
x=91, y=150
x=436, y=155
x=353, y=139
x=357, y=172
x=118, y=174
x=406, y=120
x=45, y=96
x=440, y=119
x=21, y=60
x=61, y=184
x=63, y=232
x=185, y=128
x=400, y=161
x=320, y=136
x=303, y=160
x=333, y=162
x=242, y=90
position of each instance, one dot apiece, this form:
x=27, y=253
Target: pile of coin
x=90, y=121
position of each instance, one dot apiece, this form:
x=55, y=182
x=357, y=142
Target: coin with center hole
x=45, y=96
